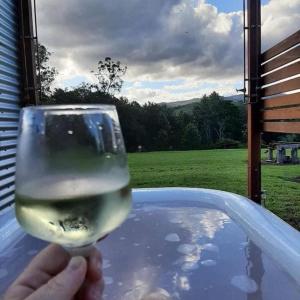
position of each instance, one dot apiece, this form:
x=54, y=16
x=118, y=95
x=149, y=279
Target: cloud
x=157, y=39
x=279, y=19
x=186, y=90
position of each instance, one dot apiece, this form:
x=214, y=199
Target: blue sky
x=174, y=49
x=230, y=5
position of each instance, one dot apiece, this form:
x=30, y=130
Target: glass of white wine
x=72, y=177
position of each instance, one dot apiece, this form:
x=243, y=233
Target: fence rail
x=282, y=127
x=281, y=60
x=280, y=86
x=284, y=45
x=285, y=100
x=287, y=113
x=280, y=74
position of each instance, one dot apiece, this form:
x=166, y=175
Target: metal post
x=294, y=155
x=30, y=96
x=270, y=154
x=280, y=155
x=254, y=124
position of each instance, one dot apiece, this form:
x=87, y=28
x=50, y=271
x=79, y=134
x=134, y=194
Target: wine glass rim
x=101, y=107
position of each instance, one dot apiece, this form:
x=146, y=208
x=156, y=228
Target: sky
x=174, y=49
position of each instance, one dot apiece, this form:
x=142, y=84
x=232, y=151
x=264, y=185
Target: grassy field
x=219, y=169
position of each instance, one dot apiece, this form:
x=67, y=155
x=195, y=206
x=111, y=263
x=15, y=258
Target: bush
x=227, y=144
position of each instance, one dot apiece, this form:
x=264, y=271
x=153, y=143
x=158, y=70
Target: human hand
x=53, y=275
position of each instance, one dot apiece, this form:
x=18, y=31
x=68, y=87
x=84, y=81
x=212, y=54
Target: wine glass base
x=80, y=251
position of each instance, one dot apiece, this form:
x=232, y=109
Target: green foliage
x=218, y=119
x=227, y=144
x=218, y=169
x=158, y=127
x=191, y=136
x=45, y=73
x=151, y=126
x=109, y=75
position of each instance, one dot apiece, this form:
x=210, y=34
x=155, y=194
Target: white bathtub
x=182, y=243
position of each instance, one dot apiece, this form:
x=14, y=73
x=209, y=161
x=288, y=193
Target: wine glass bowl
x=71, y=177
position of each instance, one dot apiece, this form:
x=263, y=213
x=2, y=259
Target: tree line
x=213, y=121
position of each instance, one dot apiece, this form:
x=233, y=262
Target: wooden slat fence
x=280, y=86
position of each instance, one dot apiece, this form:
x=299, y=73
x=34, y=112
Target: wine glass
x=71, y=177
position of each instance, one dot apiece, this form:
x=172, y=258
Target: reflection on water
x=190, y=253
x=182, y=282
x=254, y=269
x=158, y=294
x=172, y=237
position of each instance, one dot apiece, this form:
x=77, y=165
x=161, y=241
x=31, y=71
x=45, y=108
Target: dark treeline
x=214, y=122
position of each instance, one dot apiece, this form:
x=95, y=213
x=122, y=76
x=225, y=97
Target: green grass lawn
x=219, y=169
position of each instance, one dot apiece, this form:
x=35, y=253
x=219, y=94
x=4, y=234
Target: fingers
x=93, y=286
x=94, y=272
x=36, y=279
x=64, y=285
x=95, y=290
x=91, y=290
x=50, y=261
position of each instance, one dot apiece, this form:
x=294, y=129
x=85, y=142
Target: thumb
x=65, y=284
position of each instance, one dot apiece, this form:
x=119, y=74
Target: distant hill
x=235, y=98
x=188, y=105
x=181, y=103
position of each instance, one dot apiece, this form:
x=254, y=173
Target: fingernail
x=75, y=263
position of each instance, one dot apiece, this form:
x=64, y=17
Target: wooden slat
x=283, y=73
x=281, y=60
x=286, y=100
x=289, y=42
x=287, y=113
x=282, y=87
x=282, y=127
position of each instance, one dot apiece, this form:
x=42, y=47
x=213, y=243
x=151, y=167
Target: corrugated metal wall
x=10, y=93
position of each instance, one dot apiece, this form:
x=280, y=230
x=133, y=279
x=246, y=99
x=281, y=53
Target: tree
x=215, y=122
x=84, y=93
x=178, y=124
x=203, y=116
x=218, y=119
x=45, y=73
x=191, y=136
x=109, y=76
x=157, y=127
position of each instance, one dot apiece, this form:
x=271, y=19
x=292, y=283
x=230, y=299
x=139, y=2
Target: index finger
x=50, y=260
x=94, y=272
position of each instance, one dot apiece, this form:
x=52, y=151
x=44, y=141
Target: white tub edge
x=277, y=238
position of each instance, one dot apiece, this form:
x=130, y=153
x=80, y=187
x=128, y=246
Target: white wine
x=73, y=212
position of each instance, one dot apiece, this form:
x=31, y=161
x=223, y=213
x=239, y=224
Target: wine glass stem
x=84, y=251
